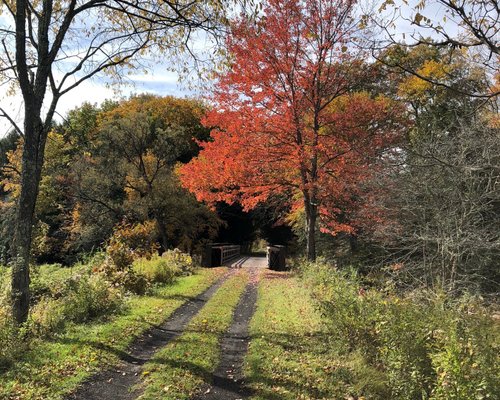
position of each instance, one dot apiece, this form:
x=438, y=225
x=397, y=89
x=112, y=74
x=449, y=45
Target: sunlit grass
x=289, y=357
x=52, y=368
x=177, y=370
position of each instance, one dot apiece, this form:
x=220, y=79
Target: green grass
x=52, y=368
x=178, y=369
x=46, y=279
x=288, y=356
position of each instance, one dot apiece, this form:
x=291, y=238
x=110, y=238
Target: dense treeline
x=437, y=197
x=440, y=196
x=399, y=167
x=108, y=165
x=429, y=208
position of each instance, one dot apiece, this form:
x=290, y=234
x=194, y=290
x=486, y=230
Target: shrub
x=181, y=260
x=128, y=243
x=164, y=269
x=157, y=270
x=465, y=354
x=76, y=296
x=424, y=345
x=51, y=279
x=9, y=340
x=85, y=298
x=10, y=344
x=122, y=277
x=91, y=297
x=47, y=316
x=132, y=241
x=120, y=255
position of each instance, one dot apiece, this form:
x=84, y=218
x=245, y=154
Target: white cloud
x=170, y=78
x=96, y=91
x=89, y=91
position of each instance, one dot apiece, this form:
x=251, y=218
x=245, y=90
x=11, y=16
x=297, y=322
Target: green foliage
x=90, y=290
x=106, y=164
x=131, y=264
x=423, y=344
x=10, y=342
x=80, y=298
x=128, y=243
x=91, y=297
x=51, y=368
x=157, y=270
x=122, y=276
x=60, y=295
x=52, y=280
x=166, y=268
x=184, y=262
x=47, y=316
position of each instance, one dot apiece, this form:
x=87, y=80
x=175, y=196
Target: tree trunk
x=32, y=161
x=311, y=216
x=353, y=244
x=163, y=234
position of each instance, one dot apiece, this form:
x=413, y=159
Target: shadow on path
x=116, y=383
x=227, y=380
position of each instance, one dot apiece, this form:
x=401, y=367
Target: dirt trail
x=227, y=380
x=116, y=383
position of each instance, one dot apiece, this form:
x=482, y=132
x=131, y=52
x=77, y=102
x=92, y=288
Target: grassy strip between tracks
x=181, y=367
x=288, y=357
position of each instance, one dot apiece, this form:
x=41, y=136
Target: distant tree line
x=107, y=165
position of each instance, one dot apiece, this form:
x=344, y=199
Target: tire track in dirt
x=228, y=380
x=117, y=382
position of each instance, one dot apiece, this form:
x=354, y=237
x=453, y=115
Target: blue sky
x=160, y=79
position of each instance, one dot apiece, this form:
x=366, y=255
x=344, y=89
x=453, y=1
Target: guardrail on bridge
x=218, y=254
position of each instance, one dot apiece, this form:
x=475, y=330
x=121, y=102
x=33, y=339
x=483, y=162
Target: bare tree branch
x=5, y=115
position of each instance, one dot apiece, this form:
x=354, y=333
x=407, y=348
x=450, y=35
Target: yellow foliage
x=54, y=155
x=12, y=172
x=140, y=181
x=417, y=88
x=181, y=112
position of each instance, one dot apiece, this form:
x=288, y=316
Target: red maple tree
x=288, y=118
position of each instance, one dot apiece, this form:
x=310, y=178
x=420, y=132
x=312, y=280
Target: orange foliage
x=286, y=120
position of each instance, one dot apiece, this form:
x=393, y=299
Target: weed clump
x=165, y=268
x=422, y=344
x=83, y=293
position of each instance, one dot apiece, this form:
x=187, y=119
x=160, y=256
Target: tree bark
x=32, y=161
x=311, y=217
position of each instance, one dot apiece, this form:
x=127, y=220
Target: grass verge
x=54, y=367
x=177, y=370
x=288, y=357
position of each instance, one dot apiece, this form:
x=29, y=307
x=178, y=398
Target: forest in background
x=426, y=208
